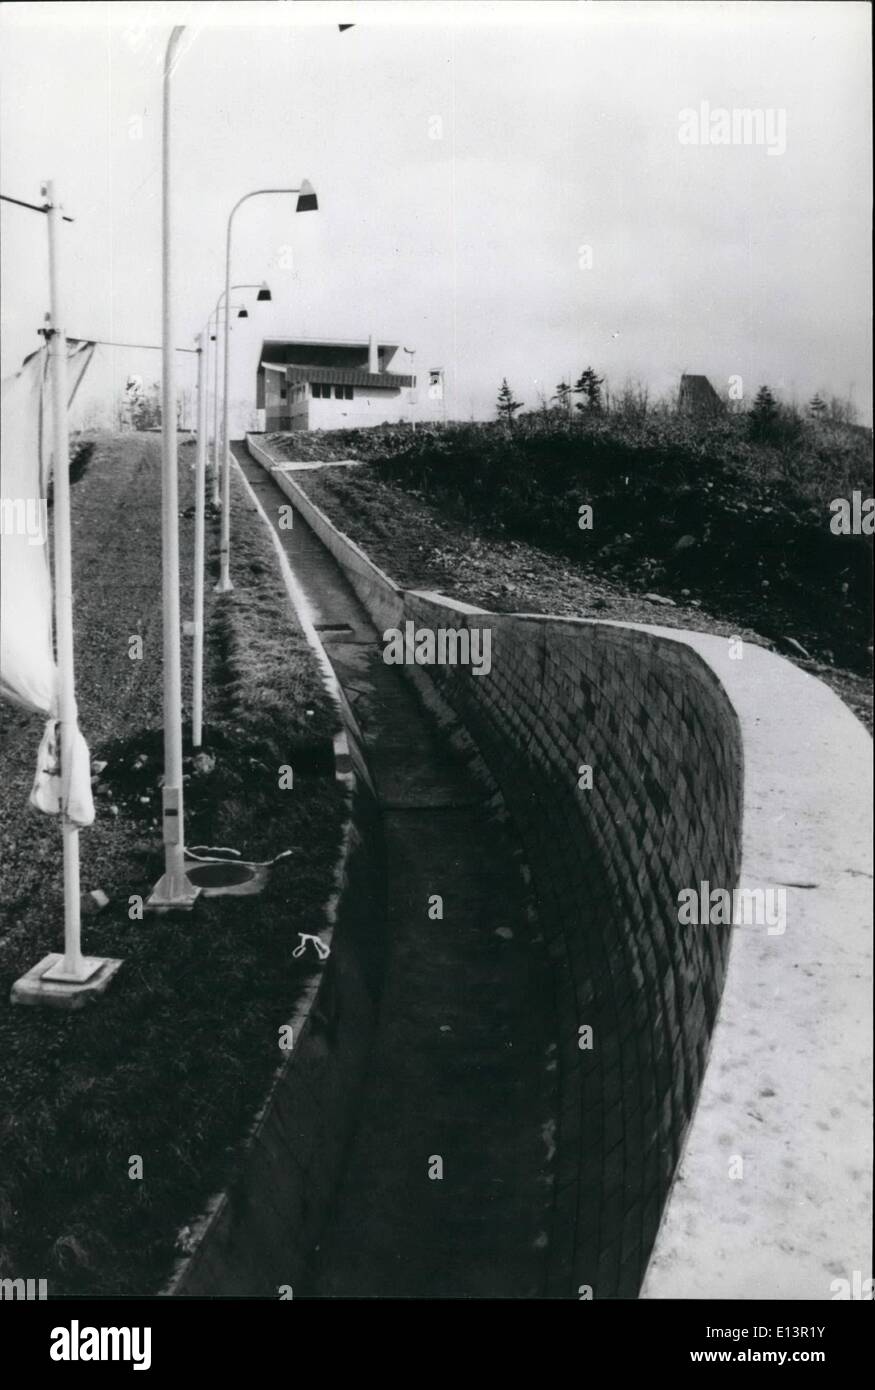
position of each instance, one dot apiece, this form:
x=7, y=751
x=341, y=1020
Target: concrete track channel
x=447, y=1185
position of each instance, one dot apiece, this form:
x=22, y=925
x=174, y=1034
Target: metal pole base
x=172, y=893
x=49, y=983
x=224, y=586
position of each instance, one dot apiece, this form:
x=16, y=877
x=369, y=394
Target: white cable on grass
x=190, y=853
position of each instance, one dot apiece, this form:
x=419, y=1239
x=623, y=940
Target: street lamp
x=197, y=624
x=306, y=202
x=263, y=294
x=173, y=890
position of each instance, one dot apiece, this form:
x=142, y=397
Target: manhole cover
x=219, y=875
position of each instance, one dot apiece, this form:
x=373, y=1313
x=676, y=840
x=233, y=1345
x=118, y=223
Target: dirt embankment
x=424, y=545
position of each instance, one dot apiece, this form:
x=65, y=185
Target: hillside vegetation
x=683, y=507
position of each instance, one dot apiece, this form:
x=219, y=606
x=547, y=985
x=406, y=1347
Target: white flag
x=28, y=674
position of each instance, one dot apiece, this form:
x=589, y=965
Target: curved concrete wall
x=666, y=720
x=651, y=721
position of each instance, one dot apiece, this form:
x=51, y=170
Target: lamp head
x=263, y=296
x=244, y=313
x=307, y=201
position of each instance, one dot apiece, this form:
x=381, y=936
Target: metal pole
x=217, y=496
x=197, y=680
x=174, y=888
x=224, y=585
x=73, y=967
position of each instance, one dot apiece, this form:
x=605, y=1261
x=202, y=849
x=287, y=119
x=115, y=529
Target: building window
x=321, y=390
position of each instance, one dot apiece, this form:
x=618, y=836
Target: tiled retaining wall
x=651, y=720
x=650, y=717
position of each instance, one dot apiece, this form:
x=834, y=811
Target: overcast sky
x=463, y=155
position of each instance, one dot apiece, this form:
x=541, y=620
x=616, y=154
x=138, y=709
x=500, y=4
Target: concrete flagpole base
x=172, y=893
x=50, y=984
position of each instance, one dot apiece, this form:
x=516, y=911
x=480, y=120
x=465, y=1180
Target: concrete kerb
x=380, y=595
x=256, y=1236
x=780, y=1066
x=789, y=1084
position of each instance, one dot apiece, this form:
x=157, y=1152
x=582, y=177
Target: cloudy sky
x=464, y=155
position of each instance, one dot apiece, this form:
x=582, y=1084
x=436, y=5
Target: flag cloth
x=28, y=673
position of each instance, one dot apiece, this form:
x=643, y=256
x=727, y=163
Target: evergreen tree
x=764, y=414
x=507, y=406
x=563, y=397
x=589, y=386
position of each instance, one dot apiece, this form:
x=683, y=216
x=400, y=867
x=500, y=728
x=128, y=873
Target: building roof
x=270, y=344
x=345, y=376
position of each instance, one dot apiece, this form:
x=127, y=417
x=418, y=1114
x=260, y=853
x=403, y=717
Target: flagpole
x=73, y=966
x=67, y=980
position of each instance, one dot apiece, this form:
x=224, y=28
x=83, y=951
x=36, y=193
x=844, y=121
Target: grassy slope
x=173, y=1062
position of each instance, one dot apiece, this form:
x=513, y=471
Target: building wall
x=284, y=412
x=301, y=410
x=367, y=407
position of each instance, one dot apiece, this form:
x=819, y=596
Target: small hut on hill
x=698, y=397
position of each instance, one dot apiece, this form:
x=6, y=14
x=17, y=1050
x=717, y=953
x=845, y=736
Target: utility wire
x=147, y=347
x=34, y=207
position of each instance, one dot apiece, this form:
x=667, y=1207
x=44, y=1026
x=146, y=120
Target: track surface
x=461, y=1080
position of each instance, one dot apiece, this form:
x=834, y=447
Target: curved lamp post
x=173, y=889
x=263, y=295
x=197, y=625
x=306, y=202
